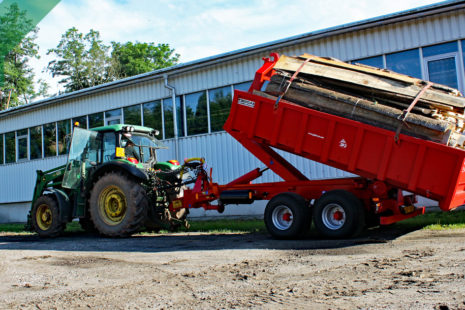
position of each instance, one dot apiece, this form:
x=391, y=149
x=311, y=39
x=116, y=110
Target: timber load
x=373, y=96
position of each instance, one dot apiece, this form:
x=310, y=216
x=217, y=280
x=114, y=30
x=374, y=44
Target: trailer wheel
x=45, y=217
x=339, y=214
x=287, y=216
x=117, y=205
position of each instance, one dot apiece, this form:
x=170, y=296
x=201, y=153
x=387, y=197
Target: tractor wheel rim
x=282, y=217
x=112, y=205
x=44, y=217
x=333, y=216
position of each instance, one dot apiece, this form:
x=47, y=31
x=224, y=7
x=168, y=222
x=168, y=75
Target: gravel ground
x=384, y=269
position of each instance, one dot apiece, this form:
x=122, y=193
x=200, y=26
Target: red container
x=426, y=168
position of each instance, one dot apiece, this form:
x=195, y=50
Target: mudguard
x=64, y=204
x=118, y=165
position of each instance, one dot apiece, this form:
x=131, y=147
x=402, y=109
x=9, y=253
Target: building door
x=443, y=69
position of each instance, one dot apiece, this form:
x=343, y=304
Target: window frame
x=18, y=137
x=458, y=66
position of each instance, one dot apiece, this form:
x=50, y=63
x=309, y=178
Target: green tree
x=130, y=58
x=18, y=86
x=82, y=60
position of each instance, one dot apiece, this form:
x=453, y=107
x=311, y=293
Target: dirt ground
x=384, y=269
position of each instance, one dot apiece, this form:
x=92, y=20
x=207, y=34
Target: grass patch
x=228, y=226
x=211, y=226
x=436, y=221
x=432, y=220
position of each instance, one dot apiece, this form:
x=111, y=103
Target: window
x=243, y=86
x=35, y=142
x=152, y=115
x=1, y=149
x=64, y=136
x=132, y=115
x=10, y=147
x=196, y=113
x=439, y=49
x=376, y=61
x=22, y=143
x=406, y=62
x=113, y=117
x=220, y=104
x=50, y=139
x=109, y=145
x=441, y=63
x=82, y=120
x=168, y=117
x=95, y=120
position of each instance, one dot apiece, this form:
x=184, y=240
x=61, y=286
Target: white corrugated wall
x=227, y=157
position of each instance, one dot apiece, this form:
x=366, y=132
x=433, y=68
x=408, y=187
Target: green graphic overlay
x=14, y=27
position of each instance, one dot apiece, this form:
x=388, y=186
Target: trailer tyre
x=45, y=217
x=287, y=216
x=118, y=205
x=339, y=214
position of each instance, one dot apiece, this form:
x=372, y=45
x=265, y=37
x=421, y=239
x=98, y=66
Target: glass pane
x=50, y=143
x=10, y=147
x=243, y=86
x=36, y=142
x=220, y=104
x=64, y=136
x=407, y=62
x=82, y=156
x=1, y=149
x=109, y=146
x=376, y=61
x=113, y=117
x=196, y=113
x=439, y=49
x=152, y=115
x=21, y=135
x=132, y=115
x=95, y=120
x=443, y=71
x=168, y=117
x=82, y=120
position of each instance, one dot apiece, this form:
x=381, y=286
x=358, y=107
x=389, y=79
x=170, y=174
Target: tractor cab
x=125, y=146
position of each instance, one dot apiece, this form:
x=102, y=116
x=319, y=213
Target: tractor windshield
x=146, y=145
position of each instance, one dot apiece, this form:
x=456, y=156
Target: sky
x=198, y=29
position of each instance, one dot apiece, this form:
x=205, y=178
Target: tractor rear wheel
x=118, y=205
x=45, y=217
x=287, y=216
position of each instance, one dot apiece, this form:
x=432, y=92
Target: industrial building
x=189, y=102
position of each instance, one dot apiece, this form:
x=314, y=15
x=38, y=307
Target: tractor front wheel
x=45, y=217
x=118, y=205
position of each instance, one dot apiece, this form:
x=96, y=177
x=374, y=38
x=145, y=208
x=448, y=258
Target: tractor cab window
x=109, y=145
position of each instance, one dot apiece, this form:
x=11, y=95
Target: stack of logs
x=374, y=96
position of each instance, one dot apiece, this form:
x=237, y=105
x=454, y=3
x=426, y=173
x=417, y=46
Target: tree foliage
x=82, y=60
x=85, y=61
x=18, y=86
x=135, y=58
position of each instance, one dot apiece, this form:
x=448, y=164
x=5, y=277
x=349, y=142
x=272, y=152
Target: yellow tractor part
x=112, y=205
x=44, y=217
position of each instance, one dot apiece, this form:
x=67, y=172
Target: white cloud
x=198, y=29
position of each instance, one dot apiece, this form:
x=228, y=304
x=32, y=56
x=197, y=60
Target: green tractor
x=112, y=183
